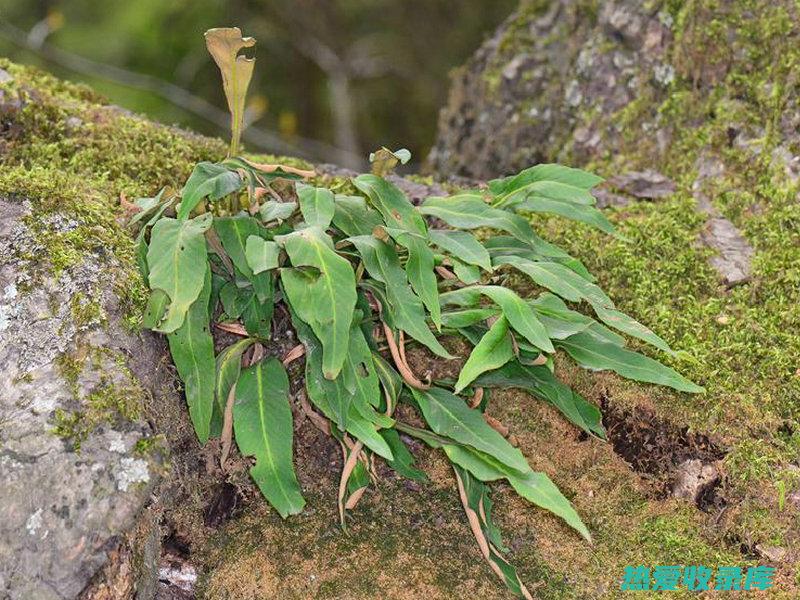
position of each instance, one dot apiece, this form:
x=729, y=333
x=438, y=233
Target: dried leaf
x=224, y=44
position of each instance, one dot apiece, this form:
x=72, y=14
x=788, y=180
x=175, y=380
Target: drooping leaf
x=534, y=486
x=403, y=461
x=559, y=320
x=207, y=180
x=470, y=211
x=507, y=189
x=535, y=249
x=316, y=204
x=228, y=367
x=478, y=506
x=537, y=488
x=463, y=246
x=353, y=217
x=262, y=420
x=448, y=415
x=177, y=263
x=604, y=334
x=192, y=350
x=541, y=383
x=577, y=212
x=381, y=262
x=261, y=254
x=622, y=322
x=224, y=44
x=326, y=300
x=272, y=210
x=494, y=350
x=558, y=279
x=593, y=353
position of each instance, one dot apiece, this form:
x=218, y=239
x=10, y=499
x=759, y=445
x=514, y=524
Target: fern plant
x=363, y=275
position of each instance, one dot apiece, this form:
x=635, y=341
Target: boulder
x=78, y=379
x=635, y=90
x=71, y=430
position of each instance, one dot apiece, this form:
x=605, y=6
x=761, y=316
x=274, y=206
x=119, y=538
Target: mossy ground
x=67, y=152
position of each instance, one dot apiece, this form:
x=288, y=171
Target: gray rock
x=647, y=185
x=605, y=198
x=65, y=501
x=545, y=84
x=774, y=554
x=692, y=478
x=734, y=252
x=5, y=76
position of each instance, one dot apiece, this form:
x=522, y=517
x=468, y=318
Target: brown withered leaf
x=224, y=44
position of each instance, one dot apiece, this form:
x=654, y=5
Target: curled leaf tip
x=224, y=44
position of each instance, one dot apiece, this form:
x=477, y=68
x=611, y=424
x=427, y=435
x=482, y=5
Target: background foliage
x=354, y=74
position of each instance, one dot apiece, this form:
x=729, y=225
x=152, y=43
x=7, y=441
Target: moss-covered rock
x=76, y=452
x=704, y=92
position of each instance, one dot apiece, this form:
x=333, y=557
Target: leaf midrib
x=267, y=445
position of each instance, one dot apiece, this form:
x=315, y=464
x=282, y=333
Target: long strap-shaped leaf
x=469, y=211
x=192, y=350
x=449, y=416
x=520, y=315
x=381, y=261
x=408, y=228
x=594, y=353
x=532, y=485
x=262, y=420
x=478, y=508
x=539, y=381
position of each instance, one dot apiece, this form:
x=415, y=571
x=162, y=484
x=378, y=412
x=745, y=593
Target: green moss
x=70, y=367
x=86, y=312
x=147, y=446
x=109, y=404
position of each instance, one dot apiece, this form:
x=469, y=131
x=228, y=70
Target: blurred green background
x=334, y=78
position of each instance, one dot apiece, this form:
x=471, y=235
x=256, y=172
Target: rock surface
x=69, y=415
x=523, y=97
x=629, y=86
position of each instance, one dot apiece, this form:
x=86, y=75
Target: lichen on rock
x=75, y=379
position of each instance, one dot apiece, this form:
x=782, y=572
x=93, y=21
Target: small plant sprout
x=363, y=279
